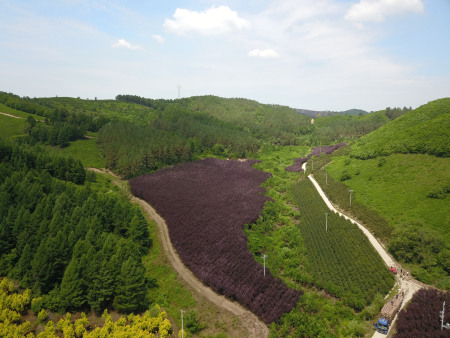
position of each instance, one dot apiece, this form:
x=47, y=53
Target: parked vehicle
x=388, y=313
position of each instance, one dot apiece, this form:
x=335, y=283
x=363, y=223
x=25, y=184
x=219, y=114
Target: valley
x=329, y=278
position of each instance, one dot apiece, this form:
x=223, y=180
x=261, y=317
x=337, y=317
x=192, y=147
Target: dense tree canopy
x=79, y=248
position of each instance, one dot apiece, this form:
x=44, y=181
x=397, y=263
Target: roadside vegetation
x=402, y=198
x=279, y=233
x=16, y=304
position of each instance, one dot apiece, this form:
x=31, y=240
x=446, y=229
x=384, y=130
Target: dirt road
x=407, y=284
x=16, y=117
x=256, y=328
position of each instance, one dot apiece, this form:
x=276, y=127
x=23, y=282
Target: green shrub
x=191, y=322
x=345, y=175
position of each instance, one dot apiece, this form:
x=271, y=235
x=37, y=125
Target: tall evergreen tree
x=132, y=292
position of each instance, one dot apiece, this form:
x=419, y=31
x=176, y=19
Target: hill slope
x=425, y=130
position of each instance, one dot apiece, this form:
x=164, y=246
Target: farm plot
x=206, y=205
x=341, y=259
x=421, y=318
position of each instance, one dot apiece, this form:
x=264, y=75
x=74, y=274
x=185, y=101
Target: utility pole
x=182, y=330
x=326, y=177
x=326, y=222
x=312, y=165
x=446, y=326
x=179, y=91
x=350, y=191
x=264, y=257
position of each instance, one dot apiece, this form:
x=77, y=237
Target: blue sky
x=312, y=54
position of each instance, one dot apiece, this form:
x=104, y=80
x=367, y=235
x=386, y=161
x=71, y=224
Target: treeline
x=160, y=104
x=190, y=128
x=173, y=137
x=329, y=129
x=430, y=254
x=60, y=127
x=22, y=156
x=23, y=104
x=78, y=248
x=275, y=124
x=393, y=113
x=272, y=123
x=55, y=134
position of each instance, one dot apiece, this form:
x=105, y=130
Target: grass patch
x=10, y=126
x=85, y=150
x=397, y=187
x=169, y=293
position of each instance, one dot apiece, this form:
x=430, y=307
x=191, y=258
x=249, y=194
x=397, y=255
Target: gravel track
x=256, y=328
x=407, y=284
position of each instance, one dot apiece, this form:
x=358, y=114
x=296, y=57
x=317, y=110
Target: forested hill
x=279, y=124
x=316, y=114
x=425, y=130
x=138, y=135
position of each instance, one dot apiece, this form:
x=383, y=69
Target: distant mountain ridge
x=316, y=113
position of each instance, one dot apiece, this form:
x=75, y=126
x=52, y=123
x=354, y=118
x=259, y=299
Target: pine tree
x=138, y=231
x=132, y=291
x=73, y=290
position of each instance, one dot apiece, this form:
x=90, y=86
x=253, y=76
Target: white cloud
x=264, y=54
x=377, y=10
x=122, y=43
x=158, y=38
x=213, y=21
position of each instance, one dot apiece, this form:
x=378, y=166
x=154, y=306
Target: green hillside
x=329, y=129
x=401, y=171
x=279, y=124
x=410, y=191
x=112, y=109
x=353, y=112
x=425, y=130
x=132, y=135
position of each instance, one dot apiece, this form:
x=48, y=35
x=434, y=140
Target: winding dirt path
x=16, y=117
x=406, y=283
x=256, y=328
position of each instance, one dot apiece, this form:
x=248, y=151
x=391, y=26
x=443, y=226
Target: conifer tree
x=73, y=290
x=131, y=290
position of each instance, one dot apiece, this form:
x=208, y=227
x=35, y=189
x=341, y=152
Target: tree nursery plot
x=206, y=205
x=342, y=261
